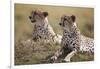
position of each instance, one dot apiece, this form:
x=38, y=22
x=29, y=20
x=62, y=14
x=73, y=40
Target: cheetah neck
x=43, y=22
x=73, y=29
x=45, y=25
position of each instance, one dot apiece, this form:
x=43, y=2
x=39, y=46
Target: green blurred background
x=23, y=26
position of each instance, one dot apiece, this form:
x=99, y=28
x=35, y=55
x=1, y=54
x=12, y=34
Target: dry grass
x=37, y=52
x=30, y=52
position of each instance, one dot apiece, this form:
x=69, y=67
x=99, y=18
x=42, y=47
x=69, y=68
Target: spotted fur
x=42, y=29
x=72, y=41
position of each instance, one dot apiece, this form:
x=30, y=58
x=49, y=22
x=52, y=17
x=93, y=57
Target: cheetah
x=72, y=40
x=42, y=29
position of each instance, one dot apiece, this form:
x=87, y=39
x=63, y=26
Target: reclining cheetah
x=72, y=40
x=42, y=29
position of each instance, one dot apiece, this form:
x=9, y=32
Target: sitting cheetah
x=72, y=40
x=42, y=29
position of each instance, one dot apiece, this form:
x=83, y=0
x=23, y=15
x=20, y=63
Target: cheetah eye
x=65, y=18
x=35, y=13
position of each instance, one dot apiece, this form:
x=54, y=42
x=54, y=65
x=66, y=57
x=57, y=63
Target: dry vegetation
x=30, y=52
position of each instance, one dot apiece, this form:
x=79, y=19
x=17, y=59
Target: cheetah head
x=67, y=22
x=37, y=15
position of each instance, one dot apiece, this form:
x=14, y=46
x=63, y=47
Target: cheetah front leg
x=70, y=55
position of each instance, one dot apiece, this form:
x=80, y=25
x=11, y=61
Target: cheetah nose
x=30, y=17
x=59, y=23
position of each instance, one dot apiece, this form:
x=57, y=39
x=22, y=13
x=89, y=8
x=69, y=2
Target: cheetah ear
x=45, y=14
x=73, y=18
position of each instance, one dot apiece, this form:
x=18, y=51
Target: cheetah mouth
x=60, y=24
x=33, y=21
